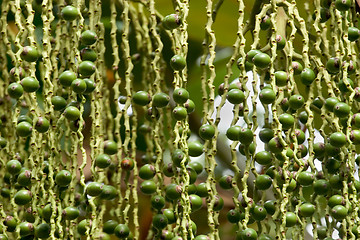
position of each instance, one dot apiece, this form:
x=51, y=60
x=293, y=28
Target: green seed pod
x=43, y=230
x=63, y=178
x=94, y=189
x=42, y=125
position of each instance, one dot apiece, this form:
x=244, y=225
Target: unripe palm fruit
x=29, y=54
x=15, y=90
x=353, y=34
x=262, y=60
x=30, y=84
x=66, y=78
x=180, y=95
x=280, y=42
x=141, y=98
x=177, y=62
x=88, y=37
x=342, y=5
x=307, y=76
x=69, y=13
x=171, y=21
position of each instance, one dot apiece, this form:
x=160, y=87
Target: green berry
x=171, y=21
x=297, y=67
x=180, y=95
x=13, y=167
x=160, y=100
x=338, y=139
x=263, y=182
x=339, y=212
x=173, y=191
x=58, y=102
x=262, y=60
x=110, y=147
x=290, y=219
x=87, y=54
x=102, y=161
x=63, y=178
x=24, y=178
x=42, y=125
x=141, y=98
x=305, y=178
x=280, y=42
x=24, y=129
x=86, y=68
x=341, y=109
x=307, y=76
x=148, y=187
x=42, y=231
x=235, y=96
x=333, y=65
x=70, y=213
x=248, y=234
x=179, y=113
x=78, y=85
x=195, y=202
x=258, y=213
x=286, y=120
x=147, y=172
x=25, y=229
x=267, y=96
x=72, y=113
x=233, y=133
x=94, y=189
x=342, y=5
x=170, y=215
x=88, y=37
x=30, y=84
x=190, y=106
x=330, y=103
x=15, y=90
x=266, y=134
x=83, y=225
x=251, y=54
x=195, y=148
x=160, y=221
x=353, y=33
x=296, y=101
x=270, y=206
x=29, y=54
x=22, y=197
x=225, y=182
x=281, y=78
x=233, y=216
x=66, y=78
x=177, y=62
x=109, y=226
x=206, y=131
x=157, y=202
x=69, y=13
x=108, y=192
x=265, y=22
x=306, y=209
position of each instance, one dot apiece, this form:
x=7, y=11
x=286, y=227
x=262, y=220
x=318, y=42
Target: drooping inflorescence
x=119, y=121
